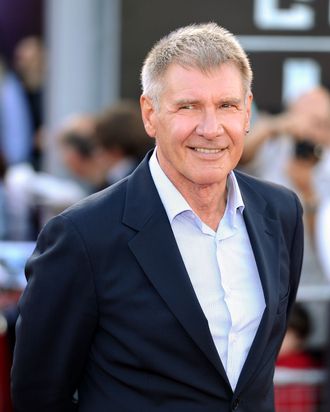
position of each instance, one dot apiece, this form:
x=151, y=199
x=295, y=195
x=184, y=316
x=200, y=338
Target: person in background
x=3, y=201
x=29, y=65
x=295, y=365
x=293, y=352
x=15, y=123
x=121, y=138
x=171, y=289
x=300, y=135
x=293, y=149
x=80, y=153
x=322, y=240
x=322, y=243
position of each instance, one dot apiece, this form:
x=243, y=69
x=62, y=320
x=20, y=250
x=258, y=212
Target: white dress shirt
x=221, y=267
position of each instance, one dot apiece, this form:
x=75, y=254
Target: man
x=121, y=139
x=170, y=290
x=80, y=153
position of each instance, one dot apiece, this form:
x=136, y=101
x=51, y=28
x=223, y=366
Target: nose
x=209, y=125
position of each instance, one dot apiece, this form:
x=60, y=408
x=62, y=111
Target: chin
x=210, y=179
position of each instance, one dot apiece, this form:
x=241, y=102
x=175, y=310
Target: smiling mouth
x=205, y=150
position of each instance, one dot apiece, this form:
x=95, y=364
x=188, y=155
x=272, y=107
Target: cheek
x=237, y=135
x=174, y=134
x=70, y=160
x=184, y=129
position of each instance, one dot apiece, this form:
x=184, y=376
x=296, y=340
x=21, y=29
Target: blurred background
x=70, y=125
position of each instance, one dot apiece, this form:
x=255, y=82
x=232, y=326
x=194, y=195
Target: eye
x=227, y=105
x=187, y=107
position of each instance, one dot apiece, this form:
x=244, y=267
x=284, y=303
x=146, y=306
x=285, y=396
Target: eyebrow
x=180, y=102
x=232, y=100
x=229, y=99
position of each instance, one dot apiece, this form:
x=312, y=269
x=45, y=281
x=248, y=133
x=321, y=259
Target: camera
x=306, y=149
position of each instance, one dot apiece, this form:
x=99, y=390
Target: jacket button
x=235, y=404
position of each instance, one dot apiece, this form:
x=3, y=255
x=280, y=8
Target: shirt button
x=235, y=404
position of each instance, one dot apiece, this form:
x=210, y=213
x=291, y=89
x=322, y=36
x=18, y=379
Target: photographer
x=293, y=149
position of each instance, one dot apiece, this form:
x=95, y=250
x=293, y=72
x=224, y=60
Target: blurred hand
x=309, y=116
x=300, y=172
x=302, y=126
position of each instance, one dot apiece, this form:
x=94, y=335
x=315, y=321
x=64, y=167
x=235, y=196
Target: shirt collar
x=175, y=204
x=173, y=201
x=235, y=202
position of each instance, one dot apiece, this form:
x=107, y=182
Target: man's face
x=200, y=124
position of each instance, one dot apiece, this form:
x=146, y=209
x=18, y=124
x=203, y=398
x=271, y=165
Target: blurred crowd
x=291, y=148
x=95, y=149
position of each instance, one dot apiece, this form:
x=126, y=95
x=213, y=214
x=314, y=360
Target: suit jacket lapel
x=155, y=248
x=264, y=236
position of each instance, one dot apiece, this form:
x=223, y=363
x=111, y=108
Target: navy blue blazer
x=109, y=311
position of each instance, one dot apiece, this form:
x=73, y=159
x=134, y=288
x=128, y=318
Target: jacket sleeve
x=297, y=252
x=58, y=317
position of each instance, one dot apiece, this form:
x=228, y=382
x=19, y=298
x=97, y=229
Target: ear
x=148, y=115
x=249, y=99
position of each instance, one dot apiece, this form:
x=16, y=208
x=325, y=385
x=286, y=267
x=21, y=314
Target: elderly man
x=170, y=290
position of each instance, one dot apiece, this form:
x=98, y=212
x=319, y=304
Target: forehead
x=223, y=79
x=315, y=102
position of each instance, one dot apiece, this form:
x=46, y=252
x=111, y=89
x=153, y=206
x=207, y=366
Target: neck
x=207, y=201
x=32, y=80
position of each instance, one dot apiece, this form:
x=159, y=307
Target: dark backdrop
x=145, y=21
x=19, y=18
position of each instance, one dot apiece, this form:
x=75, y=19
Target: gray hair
x=202, y=46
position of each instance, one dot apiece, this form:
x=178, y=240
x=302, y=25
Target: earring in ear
x=247, y=131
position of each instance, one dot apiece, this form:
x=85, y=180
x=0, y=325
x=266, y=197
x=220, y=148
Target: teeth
x=203, y=150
